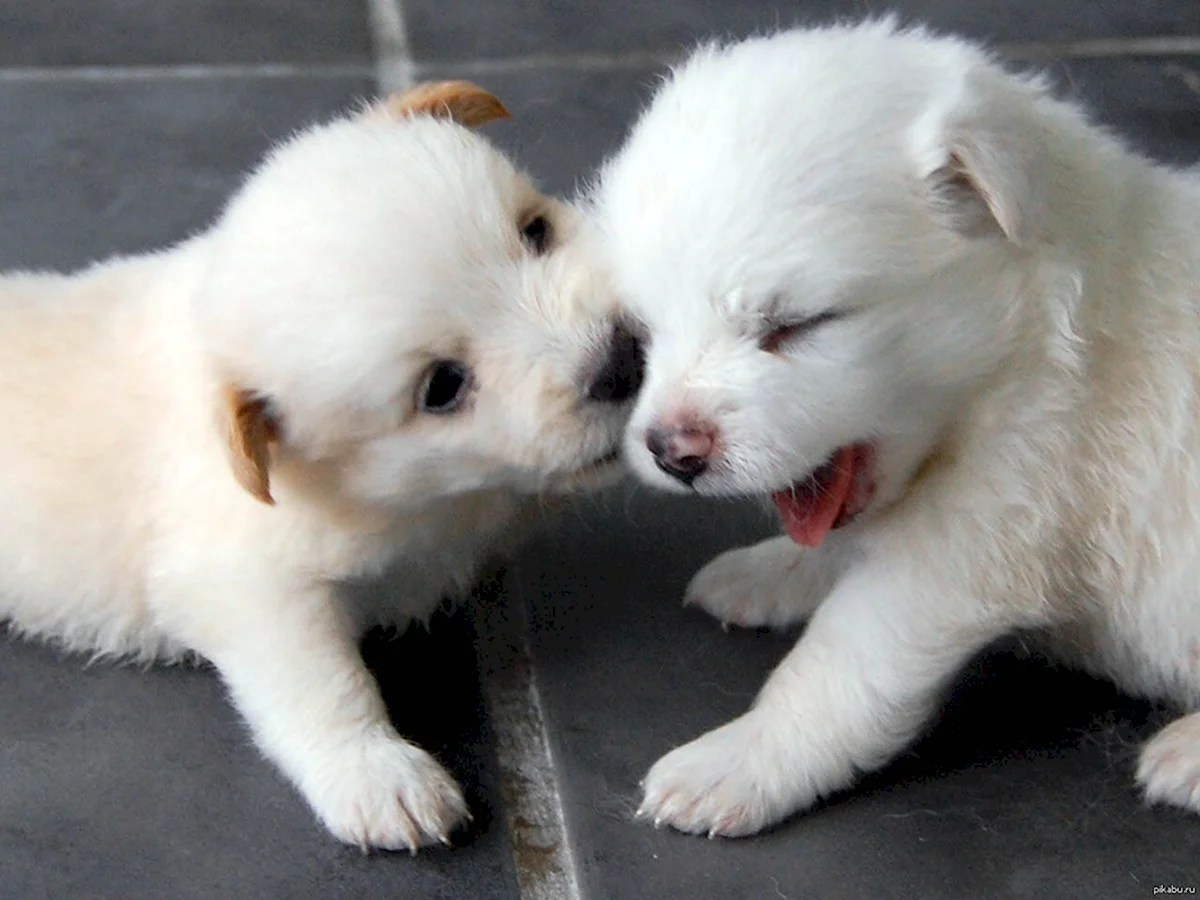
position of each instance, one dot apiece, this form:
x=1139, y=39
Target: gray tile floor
x=125, y=123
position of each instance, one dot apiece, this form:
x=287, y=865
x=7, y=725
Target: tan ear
x=249, y=432
x=991, y=174
x=964, y=202
x=459, y=101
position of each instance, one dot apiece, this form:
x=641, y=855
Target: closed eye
x=778, y=336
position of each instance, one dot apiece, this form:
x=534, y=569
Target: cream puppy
x=954, y=330
x=382, y=353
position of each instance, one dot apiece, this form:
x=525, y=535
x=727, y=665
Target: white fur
x=1020, y=338
x=360, y=252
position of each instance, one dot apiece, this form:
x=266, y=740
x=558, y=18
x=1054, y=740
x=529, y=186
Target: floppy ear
x=459, y=101
x=960, y=200
x=985, y=165
x=249, y=430
x=981, y=191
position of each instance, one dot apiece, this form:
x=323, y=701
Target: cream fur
x=1017, y=330
x=360, y=252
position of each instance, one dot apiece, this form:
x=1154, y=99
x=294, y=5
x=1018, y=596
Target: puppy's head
x=826, y=235
x=395, y=314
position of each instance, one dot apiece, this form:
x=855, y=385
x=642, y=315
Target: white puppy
x=385, y=349
x=920, y=301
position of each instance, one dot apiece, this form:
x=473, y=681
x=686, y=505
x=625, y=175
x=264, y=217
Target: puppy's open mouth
x=830, y=496
x=601, y=462
x=598, y=473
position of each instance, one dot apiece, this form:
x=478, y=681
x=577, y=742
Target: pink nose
x=684, y=451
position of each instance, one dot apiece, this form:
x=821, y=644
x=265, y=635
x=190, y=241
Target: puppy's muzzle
x=684, y=451
x=620, y=375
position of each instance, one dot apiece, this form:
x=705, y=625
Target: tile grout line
x=196, y=72
x=533, y=807
x=1104, y=48
x=395, y=69
x=585, y=61
x=1101, y=48
x=393, y=62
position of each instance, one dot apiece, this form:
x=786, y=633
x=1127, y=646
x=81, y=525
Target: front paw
x=1169, y=768
x=752, y=587
x=389, y=794
x=728, y=782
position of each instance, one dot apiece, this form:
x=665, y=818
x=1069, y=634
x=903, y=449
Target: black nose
x=670, y=452
x=621, y=374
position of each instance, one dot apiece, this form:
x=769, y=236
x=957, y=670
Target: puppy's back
x=83, y=402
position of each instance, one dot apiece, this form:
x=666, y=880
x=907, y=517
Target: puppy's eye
x=445, y=386
x=537, y=234
x=780, y=335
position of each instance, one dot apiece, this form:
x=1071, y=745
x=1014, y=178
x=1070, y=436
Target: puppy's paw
x=391, y=795
x=1169, y=769
x=754, y=587
x=724, y=783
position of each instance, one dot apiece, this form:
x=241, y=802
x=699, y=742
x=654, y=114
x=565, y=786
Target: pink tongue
x=812, y=507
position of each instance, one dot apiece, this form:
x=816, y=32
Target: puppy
x=382, y=353
x=953, y=329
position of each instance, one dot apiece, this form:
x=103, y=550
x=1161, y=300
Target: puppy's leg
x=1169, y=769
x=771, y=584
x=855, y=690
x=293, y=667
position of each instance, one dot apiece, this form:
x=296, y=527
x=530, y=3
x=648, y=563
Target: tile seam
x=198, y=72
x=545, y=862
x=1100, y=48
x=393, y=61
x=395, y=69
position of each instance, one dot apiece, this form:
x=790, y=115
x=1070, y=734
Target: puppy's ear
x=965, y=202
x=459, y=101
x=250, y=427
x=984, y=165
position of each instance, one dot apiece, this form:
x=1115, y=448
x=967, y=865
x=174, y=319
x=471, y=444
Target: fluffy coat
x=381, y=356
x=864, y=237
